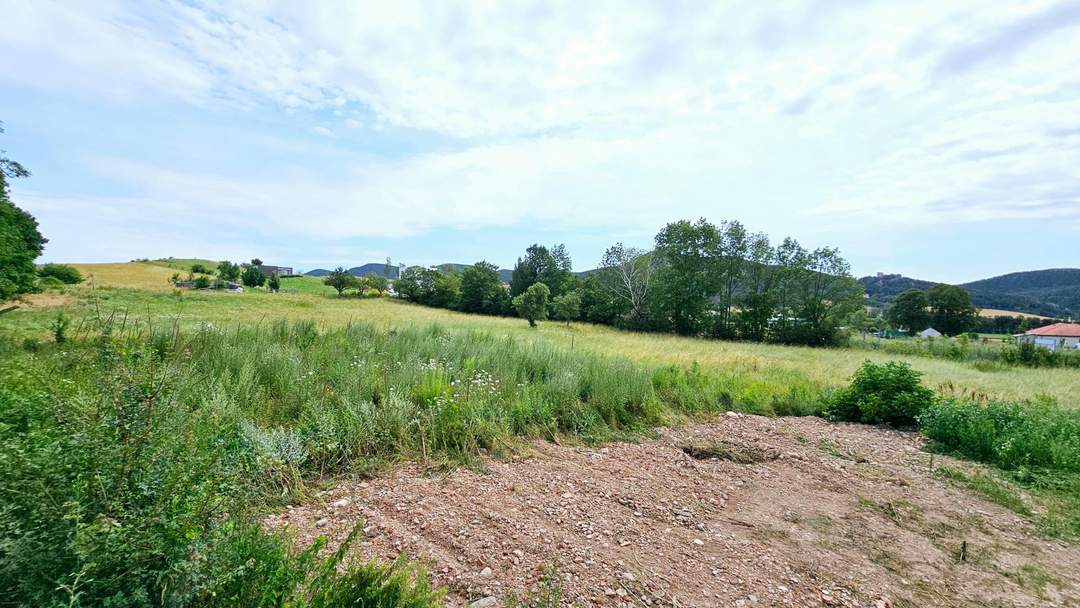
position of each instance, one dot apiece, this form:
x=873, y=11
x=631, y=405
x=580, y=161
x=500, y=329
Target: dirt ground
x=744, y=511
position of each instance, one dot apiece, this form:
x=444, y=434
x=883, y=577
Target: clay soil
x=743, y=511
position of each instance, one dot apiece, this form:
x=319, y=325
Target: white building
x=1053, y=337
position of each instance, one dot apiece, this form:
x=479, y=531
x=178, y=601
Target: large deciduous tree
x=626, y=273
x=756, y=299
x=951, y=310
x=482, y=291
x=551, y=267
x=687, y=274
x=910, y=311
x=20, y=241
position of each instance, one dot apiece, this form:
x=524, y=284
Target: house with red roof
x=1058, y=336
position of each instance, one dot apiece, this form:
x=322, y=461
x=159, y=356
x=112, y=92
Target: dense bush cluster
x=890, y=393
x=68, y=275
x=1010, y=435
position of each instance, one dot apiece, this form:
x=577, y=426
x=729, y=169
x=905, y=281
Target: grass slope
x=763, y=372
x=137, y=275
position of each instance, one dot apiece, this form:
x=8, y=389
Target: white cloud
x=622, y=113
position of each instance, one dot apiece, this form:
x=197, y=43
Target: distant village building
x=1058, y=336
x=281, y=271
x=929, y=332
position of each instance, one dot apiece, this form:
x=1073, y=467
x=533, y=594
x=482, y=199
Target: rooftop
x=1057, y=330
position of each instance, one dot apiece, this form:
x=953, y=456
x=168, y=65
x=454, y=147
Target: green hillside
x=1053, y=292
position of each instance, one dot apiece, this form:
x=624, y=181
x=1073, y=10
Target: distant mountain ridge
x=1054, y=292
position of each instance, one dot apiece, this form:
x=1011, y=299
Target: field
x=154, y=439
x=765, y=371
x=994, y=312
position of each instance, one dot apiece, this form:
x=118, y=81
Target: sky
x=936, y=139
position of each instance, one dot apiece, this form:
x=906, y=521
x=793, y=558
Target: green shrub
x=1009, y=435
x=69, y=275
x=890, y=393
x=50, y=283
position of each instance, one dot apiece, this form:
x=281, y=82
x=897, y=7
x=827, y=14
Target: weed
x=545, y=594
x=995, y=490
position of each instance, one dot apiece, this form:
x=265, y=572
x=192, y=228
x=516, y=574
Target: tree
x=377, y=282
x=951, y=310
x=340, y=279
x=757, y=300
x=446, y=292
x=626, y=272
x=482, y=291
x=20, y=241
x=275, y=282
x=532, y=305
x=567, y=306
x=541, y=265
x=910, y=311
x=227, y=271
x=734, y=246
x=413, y=282
x=825, y=295
x=687, y=274
x=599, y=304
x=251, y=276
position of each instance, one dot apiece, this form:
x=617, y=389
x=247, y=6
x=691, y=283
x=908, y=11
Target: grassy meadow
x=145, y=431
x=764, y=371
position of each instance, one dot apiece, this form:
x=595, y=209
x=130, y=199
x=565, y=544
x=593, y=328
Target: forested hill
x=1054, y=292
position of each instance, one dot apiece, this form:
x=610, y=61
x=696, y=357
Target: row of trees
x=700, y=279
x=342, y=280
x=946, y=308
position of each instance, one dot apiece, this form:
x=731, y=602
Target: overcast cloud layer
x=939, y=139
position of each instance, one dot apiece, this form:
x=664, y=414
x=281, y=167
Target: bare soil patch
x=744, y=511
x=44, y=300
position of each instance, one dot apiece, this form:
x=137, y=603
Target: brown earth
x=744, y=511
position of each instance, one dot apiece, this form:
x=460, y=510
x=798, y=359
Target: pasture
x=763, y=372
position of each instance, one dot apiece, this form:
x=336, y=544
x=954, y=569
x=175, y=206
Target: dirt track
x=766, y=512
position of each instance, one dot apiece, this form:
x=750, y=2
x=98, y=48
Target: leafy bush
x=50, y=283
x=1031, y=355
x=1037, y=443
x=1009, y=435
x=200, y=269
x=890, y=393
x=69, y=275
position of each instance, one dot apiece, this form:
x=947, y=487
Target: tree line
x=700, y=279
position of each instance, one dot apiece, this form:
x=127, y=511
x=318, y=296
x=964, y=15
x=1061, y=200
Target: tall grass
x=137, y=463
x=772, y=369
